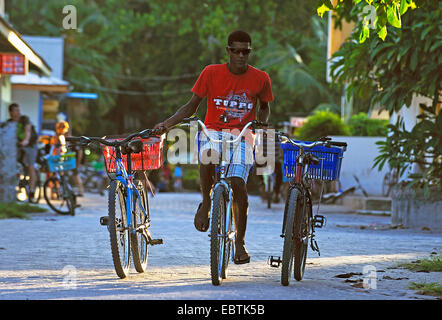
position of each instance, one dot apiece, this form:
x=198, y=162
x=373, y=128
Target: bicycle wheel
x=118, y=229
x=269, y=192
x=291, y=209
x=58, y=196
x=139, y=241
x=218, y=239
x=302, y=229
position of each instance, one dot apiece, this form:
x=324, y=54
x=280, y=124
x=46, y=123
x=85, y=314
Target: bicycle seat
x=134, y=146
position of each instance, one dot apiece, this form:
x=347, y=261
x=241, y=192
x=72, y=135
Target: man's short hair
x=239, y=36
x=12, y=106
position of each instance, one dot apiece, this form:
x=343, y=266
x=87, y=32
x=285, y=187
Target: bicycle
x=222, y=233
x=304, y=161
x=128, y=217
x=57, y=190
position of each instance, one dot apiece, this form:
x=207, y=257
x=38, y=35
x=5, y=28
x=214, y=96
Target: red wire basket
x=151, y=158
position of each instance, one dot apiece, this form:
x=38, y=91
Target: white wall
x=29, y=101
x=358, y=160
x=5, y=97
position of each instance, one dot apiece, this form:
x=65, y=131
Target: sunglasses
x=238, y=51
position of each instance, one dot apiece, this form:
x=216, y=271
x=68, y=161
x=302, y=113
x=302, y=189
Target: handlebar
x=254, y=124
x=83, y=140
x=325, y=141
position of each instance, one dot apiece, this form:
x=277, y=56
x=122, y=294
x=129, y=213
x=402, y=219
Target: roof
x=36, y=82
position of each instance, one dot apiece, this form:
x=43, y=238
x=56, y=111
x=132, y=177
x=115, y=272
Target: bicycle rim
x=139, y=241
x=54, y=194
x=289, y=238
x=217, y=237
x=118, y=229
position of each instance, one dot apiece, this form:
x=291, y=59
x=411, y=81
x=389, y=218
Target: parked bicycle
x=128, y=219
x=304, y=161
x=57, y=190
x=222, y=233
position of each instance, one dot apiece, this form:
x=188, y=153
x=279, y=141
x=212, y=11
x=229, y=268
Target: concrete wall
x=358, y=160
x=8, y=162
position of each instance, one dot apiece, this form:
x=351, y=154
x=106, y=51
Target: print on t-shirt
x=234, y=105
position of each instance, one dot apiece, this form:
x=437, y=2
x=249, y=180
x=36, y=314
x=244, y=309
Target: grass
x=425, y=265
x=431, y=289
x=18, y=210
x=434, y=264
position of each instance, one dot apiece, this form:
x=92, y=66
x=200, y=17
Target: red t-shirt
x=230, y=96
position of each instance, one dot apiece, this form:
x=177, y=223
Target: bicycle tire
x=139, y=240
x=69, y=194
x=118, y=229
x=62, y=204
x=302, y=229
x=292, y=205
x=217, y=242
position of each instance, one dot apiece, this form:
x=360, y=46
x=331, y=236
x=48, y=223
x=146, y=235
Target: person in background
x=26, y=143
x=58, y=143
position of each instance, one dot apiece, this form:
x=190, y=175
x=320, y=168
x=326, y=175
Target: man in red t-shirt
x=233, y=91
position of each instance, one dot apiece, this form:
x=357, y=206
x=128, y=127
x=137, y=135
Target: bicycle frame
x=126, y=178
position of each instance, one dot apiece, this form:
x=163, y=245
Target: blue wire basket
x=61, y=162
x=328, y=168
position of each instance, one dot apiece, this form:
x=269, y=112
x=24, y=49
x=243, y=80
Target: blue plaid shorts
x=240, y=157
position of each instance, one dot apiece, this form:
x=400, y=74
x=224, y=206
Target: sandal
x=201, y=223
x=241, y=255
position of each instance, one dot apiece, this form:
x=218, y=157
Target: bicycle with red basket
x=129, y=220
x=304, y=161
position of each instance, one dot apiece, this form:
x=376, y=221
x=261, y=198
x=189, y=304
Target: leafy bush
x=322, y=123
x=361, y=125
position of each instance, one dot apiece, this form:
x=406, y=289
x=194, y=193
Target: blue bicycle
x=128, y=207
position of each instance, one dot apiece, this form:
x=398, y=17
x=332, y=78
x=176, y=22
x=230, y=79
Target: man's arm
x=264, y=111
x=185, y=111
x=25, y=141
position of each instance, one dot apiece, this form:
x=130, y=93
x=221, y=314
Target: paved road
x=64, y=257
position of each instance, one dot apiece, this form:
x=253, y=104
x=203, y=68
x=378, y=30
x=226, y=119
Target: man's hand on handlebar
x=159, y=129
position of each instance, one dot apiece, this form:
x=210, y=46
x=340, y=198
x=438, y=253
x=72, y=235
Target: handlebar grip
x=187, y=120
x=337, y=143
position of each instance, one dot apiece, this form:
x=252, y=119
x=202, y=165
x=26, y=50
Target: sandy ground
x=64, y=257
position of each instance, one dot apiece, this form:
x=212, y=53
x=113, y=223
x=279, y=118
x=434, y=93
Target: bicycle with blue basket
x=222, y=232
x=57, y=190
x=128, y=219
x=304, y=161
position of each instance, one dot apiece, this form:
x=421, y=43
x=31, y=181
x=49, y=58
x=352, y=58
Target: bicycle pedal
x=104, y=220
x=275, y=263
x=154, y=242
x=319, y=221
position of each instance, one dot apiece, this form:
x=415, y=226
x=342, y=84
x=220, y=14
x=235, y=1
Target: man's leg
x=240, y=211
x=207, y=175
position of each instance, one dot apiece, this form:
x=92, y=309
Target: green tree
x=391, y=72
